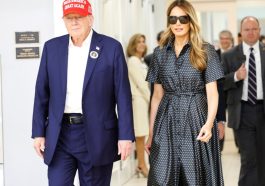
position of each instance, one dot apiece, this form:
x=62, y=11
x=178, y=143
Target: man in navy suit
x=82, y=79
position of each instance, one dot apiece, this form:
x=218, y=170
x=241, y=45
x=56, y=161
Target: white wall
x=22, y=167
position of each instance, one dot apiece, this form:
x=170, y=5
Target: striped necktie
x=252, y=81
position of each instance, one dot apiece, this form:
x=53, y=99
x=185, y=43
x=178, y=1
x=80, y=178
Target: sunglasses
x=182, y=19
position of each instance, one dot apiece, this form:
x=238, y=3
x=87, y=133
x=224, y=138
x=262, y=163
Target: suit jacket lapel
x=93, y=56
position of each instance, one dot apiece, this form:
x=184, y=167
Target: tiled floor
x=230, y=161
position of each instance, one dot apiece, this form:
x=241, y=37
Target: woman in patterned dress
x=137, y=69
x=183, y=139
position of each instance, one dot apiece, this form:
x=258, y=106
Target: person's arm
x=156, y=99
x=124, y=104
x=233, y=77
x=212, y=102
x=41, y=104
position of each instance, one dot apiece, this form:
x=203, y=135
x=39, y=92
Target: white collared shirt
x=77, y=62
x=256, y=51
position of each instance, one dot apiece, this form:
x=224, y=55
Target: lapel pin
x=93, y=54
x=97, y=48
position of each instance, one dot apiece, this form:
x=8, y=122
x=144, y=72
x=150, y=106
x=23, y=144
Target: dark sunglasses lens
x=172, y=19
x=183, y=19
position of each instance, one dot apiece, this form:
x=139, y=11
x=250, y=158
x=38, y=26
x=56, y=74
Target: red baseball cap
x=81, y=7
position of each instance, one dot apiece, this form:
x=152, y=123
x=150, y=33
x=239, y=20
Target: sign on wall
x=27, y=37
x=27, y=51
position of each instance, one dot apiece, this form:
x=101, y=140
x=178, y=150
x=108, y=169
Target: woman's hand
x=148, y=145
x=205, y=133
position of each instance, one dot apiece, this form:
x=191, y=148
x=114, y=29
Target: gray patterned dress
x=177, y=158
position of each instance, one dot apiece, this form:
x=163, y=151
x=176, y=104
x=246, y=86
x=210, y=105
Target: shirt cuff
x=235, y=78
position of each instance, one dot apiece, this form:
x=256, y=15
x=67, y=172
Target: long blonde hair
x=198, y=56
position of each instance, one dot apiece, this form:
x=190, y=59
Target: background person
x=137, y=68
x=262, y=39
x=244, y=67
x=148, y=60
x=226, y=42
x=239, y=38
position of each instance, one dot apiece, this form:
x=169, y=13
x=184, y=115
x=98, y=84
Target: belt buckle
x=70, y=119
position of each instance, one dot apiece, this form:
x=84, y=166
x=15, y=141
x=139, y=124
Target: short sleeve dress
x=177, y=158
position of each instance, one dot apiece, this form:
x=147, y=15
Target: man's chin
x=75, y=35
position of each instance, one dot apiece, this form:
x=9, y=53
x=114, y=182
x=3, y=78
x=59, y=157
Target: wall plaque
x=27, y=52
x=27, y=37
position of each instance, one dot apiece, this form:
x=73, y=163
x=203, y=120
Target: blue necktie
x=252, y=81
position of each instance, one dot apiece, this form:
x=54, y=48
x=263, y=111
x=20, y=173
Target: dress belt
x=189, y=93
x=73, y=118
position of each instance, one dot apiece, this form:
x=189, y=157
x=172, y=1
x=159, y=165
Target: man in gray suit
x=244, y=67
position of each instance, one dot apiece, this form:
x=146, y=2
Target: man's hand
x=241, y=73
x=221, y=130
x=124, y=148
x=39, y=145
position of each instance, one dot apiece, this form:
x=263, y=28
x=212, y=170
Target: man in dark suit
x=82, y=79
x=244, y=66
x=226, y=42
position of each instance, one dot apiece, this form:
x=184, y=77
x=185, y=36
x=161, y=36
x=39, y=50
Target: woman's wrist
x=209, y=124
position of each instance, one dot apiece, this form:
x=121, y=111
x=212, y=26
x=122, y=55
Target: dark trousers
x=251, y=143
x=71, y=155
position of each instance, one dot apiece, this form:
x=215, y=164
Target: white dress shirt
x=256, y=51
x=77, y=62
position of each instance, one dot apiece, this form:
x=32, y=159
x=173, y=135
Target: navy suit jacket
x=106, y=88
